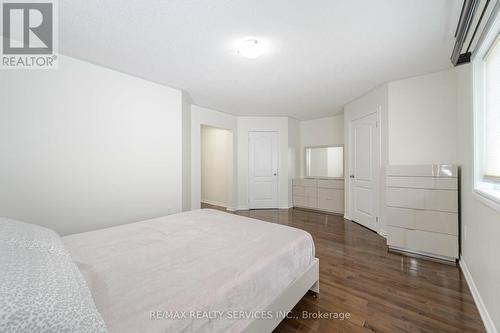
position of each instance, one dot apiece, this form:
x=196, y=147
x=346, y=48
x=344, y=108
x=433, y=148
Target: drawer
x=423, y=182
x=331, y=183
x=441, y=200
x=305, y=182
x=405, y=198
x=426, y=220
x=333, y=205
x=299, y=200
x=434, y=221
x=306, y=202
x=310, y=192
x=423, y=241
x=431, y=170
x=396, y=236
x=440, y=244
x=298, y=190
x=309, y=182
x=330, y=193
x=312, y=202
x=401, y=217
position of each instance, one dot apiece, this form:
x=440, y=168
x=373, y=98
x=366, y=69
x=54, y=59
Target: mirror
x=325, y=162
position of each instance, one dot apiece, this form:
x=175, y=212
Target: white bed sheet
x=202, y=260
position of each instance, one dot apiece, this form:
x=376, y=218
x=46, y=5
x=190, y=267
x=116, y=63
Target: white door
x=364, y=170
x=263, y=169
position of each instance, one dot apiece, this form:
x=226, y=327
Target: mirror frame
x=322, y=146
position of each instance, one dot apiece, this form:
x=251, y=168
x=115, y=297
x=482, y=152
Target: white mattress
x=202, y=260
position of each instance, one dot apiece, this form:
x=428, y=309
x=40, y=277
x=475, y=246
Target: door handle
x=351, y=176
x=275, y=173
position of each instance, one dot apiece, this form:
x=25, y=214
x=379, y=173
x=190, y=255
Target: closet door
x=364, y=168
x=263, y=170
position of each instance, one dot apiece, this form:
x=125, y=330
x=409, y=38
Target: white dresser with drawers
x=422, y=210
x=319, y=194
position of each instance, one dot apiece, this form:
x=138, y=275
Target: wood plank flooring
x=382, y=291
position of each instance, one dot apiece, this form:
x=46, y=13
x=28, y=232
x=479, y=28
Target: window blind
x=492, y=113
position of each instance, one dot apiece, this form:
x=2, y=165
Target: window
x=492, y=113
x=486, y=83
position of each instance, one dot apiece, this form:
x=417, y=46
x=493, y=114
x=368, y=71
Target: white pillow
x=41, y=288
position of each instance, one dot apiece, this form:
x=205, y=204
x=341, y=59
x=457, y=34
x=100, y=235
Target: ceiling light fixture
x=251, y=48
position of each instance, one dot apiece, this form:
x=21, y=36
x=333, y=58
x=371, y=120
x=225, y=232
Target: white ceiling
x=324, y=53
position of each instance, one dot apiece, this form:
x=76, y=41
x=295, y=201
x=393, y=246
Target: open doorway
x=216, y=167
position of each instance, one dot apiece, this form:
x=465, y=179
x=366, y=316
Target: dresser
x=319, y=194
x=422, y=210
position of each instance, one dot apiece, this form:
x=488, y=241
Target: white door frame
x=349, y=170
x=277, y=171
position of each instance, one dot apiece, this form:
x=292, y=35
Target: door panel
x=364, y=170
x=263, y=170
x=263, y=150
x=263, y=190
x=363, y=203
x=363, y=152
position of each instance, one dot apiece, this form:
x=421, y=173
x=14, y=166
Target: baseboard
x=317, y=210
x=485, y=316
x=382, y=233
x=247, y=208
x=424, y=255
x=214, y=203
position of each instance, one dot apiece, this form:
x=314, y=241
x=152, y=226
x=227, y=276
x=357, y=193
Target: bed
x=198, y=271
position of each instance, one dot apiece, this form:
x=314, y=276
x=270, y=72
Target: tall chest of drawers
x=422, y=210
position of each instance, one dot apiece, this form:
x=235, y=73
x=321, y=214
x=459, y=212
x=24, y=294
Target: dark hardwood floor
x=382, y=291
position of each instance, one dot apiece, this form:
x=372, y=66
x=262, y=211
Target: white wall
x=322, y=132
x=248, y=124
x=328, y=131
x=84, y=147
x=423, y=119
x=480, y=223
x=204, y=116
x=373, y=101
x=216, y=165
